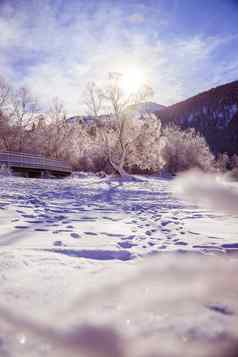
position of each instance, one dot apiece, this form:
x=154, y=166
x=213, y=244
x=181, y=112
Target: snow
x=145, y=108
x=191, y=117
x=120, y=267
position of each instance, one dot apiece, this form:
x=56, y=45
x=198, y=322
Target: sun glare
x=132, y=80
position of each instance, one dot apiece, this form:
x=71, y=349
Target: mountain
x=214, y=113
x=80, y=119
x=146, y=107
x=140, y=109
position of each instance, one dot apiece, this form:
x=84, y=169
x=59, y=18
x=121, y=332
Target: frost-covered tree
x=85, y=151
x=116, y=139
x=144, y=155
x=185, y=149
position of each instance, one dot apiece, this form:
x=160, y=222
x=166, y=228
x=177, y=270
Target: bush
x=233, y=174
x=223, y=162
x=144, y=154
x=185, y=149
x=5, y=170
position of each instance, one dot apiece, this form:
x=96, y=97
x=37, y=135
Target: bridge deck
x=36, y=162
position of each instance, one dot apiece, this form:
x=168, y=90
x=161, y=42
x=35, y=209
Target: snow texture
x=114, y=267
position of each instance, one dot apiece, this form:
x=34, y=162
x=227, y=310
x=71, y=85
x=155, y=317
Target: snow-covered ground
x=93, y=263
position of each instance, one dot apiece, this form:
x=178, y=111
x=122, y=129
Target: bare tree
x=6, y=133
x=56, y=130
x=22, y=109
x=5, y=91
x=93, y=99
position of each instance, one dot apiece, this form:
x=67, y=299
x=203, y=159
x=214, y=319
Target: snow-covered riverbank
x=63, y=241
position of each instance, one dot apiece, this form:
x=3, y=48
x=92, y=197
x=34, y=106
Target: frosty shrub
x=144, y=155
x=234, y=167
x=227, y=165
x=222, y=162
x=185, y=149
x=5, y=170
x=234, y=174
x=87, y=151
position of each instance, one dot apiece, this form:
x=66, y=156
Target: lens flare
x=132, y=80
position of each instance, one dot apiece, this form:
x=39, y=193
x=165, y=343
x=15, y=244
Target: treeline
x=123, y=144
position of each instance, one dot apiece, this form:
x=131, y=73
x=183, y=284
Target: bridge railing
x=33, y=161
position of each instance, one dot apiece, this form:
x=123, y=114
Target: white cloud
x=61, y=52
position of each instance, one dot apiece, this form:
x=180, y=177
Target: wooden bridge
x=34, y=165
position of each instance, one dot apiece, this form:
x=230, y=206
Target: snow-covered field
x=120, y=267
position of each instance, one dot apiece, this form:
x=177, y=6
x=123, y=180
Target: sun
x=132, y=80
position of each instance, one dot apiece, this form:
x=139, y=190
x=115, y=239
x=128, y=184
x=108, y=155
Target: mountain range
x=146, y=107
x=213, y=113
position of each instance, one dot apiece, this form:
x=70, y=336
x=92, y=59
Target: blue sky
x=55, y=47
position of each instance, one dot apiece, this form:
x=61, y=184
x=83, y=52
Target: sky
x=55, y=47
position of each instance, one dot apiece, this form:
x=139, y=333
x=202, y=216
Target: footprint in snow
x=222, y=309
x=21, y=227
x=58, y=243
x=61, y=231
x=164, y=223
x=126, y=244
x=75, y=235
x=165, y=230
x=41, y=230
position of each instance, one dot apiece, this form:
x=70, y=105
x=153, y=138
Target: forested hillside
x=213, y=113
